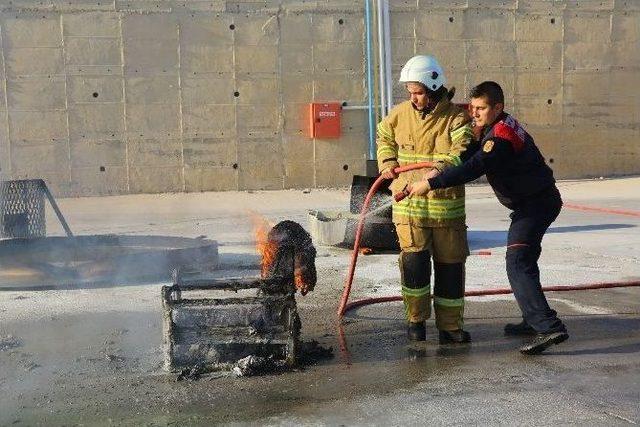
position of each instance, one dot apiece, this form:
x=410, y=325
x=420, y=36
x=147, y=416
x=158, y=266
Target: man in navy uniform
x=524, y=183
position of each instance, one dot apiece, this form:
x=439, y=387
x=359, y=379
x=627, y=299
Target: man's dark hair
x=490, y=90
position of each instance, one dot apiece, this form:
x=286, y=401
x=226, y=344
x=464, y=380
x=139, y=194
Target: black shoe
x=416, y=331
x=543, y=341
x=454, y=337
x=522, y=328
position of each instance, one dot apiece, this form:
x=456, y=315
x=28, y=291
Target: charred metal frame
x=206, y=326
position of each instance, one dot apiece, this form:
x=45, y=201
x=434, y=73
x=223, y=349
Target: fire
x=266, y=249
x=301, y=285
x=267, y=245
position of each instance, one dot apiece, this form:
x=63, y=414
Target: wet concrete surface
x=93, y=356
x=114, y=375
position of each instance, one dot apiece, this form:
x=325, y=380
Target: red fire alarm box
x=324, y=119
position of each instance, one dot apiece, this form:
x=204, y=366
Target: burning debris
x=282, y=237
x=248, y=326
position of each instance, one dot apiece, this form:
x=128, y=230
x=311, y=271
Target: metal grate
x=22, y=208
x=212, y=324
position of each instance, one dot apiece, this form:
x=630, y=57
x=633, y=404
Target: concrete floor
x=93, y=356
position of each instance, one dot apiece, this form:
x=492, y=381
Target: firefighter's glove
x=440, y=165
x=419, y=188
x=387, y=172
x=431, y=173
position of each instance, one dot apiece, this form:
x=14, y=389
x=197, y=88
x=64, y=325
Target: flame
x=299, y=282
x=266, y=249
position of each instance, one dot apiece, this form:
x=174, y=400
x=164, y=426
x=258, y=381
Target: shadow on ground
x=376, y=338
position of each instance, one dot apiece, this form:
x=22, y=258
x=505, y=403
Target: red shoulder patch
x=511, y=134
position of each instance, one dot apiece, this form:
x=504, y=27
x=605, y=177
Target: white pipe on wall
x=357, y=107
x=370, y=113
x=381, y=56
x=387, y=56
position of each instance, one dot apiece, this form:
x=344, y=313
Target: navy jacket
x=509, y=157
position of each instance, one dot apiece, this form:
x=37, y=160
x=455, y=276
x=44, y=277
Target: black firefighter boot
x=454, y=337
x=417, y=331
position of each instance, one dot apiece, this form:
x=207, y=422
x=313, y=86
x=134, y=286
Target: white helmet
x=423, y=69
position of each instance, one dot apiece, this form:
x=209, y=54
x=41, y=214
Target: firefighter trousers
x=529, y=222
x=448, y=248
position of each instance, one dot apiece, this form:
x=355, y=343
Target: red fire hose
x=500, y=291
x=345, y=306
x=356, y=243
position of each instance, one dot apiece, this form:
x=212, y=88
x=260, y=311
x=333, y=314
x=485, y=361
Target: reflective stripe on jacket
x=442, y=136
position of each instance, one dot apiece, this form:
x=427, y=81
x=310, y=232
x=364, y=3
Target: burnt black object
x=290, y=234
x=379, y=231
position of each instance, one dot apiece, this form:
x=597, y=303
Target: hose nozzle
x=401, y=195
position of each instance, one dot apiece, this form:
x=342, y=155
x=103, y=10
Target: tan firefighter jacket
x=405, y=137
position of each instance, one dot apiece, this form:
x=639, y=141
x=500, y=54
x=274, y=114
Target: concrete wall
x=137, y=96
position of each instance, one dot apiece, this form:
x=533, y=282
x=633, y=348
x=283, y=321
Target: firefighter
x=428, y=127
x=524, y=183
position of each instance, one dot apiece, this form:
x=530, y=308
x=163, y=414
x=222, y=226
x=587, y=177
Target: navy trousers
x=529, y=222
